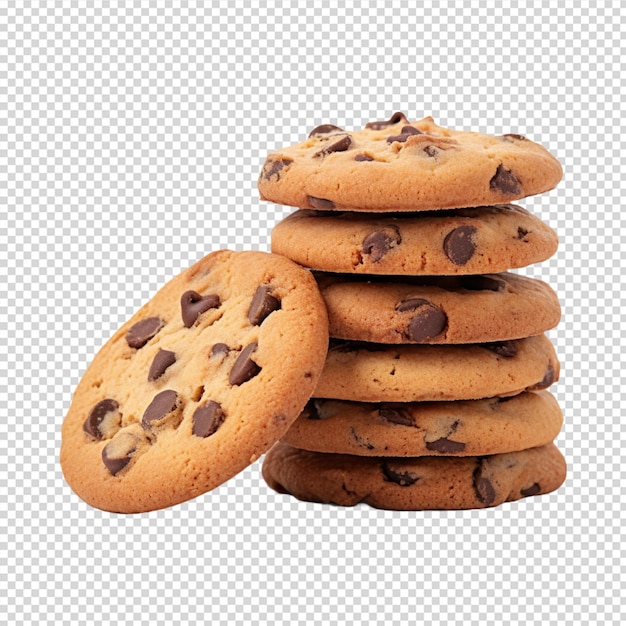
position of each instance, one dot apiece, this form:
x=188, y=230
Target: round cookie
x=420, y=483
x=461, y=428
x=416, y=373
x=441, y=310
x=197, y=385
x=405, y=166
x=479, y=240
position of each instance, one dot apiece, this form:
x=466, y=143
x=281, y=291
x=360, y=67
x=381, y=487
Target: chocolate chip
x=483, y=488
x=219, y=349
x=141, y=332
x=548, y=379
x=338, y=146
x=533, y=490
x=480, y=283
x=431, y=151
x=164, y=405
x=521, y=232
x=507, y=349
x=320, y=203
x=405, y=133
x=103, y=418
x=505, y=181
x=274, y=167
x=192, y=305
x=117, y=454
x=207, y=419
x=396, y=415
x=396, y=118
x=459, y=245
x=363, y=157
x=378, y=243
x=429, y=322
x=263, y=303
x=162, y=360
x=404, y=479
x=445, y=446
x=324, y=129
x=244, y=368
x=513, y=136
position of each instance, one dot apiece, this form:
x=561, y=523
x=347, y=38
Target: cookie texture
x=461, y=428
x=441, y=310
x=478, y=240
x=420, y=483
x=399, y=165
x=197, y=385
x=367, y=372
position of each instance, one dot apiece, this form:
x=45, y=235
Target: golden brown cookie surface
x=405, y=166
x=198, y=384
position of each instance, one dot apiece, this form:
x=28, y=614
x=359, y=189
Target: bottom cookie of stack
x=415, y=483
x=421, y=455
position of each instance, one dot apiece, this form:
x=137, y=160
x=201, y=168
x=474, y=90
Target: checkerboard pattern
x=131, y=137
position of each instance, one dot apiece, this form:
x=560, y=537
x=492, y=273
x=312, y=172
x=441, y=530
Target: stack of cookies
x=434, y=391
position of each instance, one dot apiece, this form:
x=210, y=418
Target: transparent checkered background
x=131, y=139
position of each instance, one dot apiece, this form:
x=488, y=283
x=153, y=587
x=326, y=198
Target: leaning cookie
x=445, y=309
x=479, y=240
x=405, y=166
x=461, y=428
x=368, y=372
x=197, y=385
x=420, y=483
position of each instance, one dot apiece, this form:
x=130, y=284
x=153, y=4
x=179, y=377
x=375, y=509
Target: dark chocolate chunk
x=207, y=419
x=192, y=305
x=162, y=405
x=396, y=118
x=274, y=167
x=324, y=129
x=404, y=479
x=338, y=146
x=505, y=181
x=521, y=232
x=117, y=454
x=429, y=322
x=548, y=379
x=263, y=303
x=445, y=446
x=320, y=203
x=363, y=157
x=107, y=409
x=162, y=360
x=396, y=415
x=141, y=332
x=480, y=283
x=533, y=490
x=219, y=349
x=483, y=488
x=244, y=368
x=507, y=349
x=378, y=243
x=459, y=245
x=405, y=133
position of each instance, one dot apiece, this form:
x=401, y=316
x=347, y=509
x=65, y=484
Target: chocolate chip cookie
x=461, y=428
x=419, y=483
x=368, y=372
x=479, y=240
x=444, y=309
x=197, y=385
x=398, y=165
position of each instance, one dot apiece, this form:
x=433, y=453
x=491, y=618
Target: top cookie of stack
x=397, y=165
